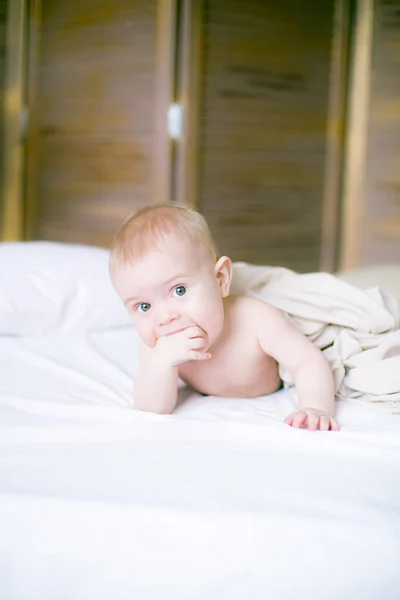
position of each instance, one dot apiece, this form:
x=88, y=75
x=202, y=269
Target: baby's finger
x=193, y=355
x=313, y=421
x=196, y=343
x=324, y=423
x=299, y=419
x=289, y=419
x=195, y=332
x=334, y=425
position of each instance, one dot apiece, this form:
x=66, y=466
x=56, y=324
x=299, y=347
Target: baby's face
x=170, y=289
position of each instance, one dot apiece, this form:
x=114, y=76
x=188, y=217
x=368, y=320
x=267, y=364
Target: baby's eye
x=143, y=307
x=180, y=290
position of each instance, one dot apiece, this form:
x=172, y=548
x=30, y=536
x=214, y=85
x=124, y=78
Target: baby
x=166, y=269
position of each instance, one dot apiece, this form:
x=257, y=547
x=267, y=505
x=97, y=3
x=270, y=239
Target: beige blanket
x=358, y=331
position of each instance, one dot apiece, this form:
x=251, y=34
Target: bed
x=219, y=500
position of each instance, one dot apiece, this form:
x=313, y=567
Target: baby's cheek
x=146, y=333
x=213, y=324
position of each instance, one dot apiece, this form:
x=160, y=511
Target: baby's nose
x=167, y=317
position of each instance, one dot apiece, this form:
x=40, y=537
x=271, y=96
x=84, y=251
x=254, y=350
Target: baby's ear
x=223, y=272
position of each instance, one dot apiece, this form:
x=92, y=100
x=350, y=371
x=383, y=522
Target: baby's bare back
x=238, y=367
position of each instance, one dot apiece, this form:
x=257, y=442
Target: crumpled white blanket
x=357, y=331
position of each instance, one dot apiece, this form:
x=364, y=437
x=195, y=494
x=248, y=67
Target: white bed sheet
x=218, y=501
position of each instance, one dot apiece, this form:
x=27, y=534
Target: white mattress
x=218, y=501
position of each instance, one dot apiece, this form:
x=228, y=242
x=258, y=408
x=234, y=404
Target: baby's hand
x=177, y=348
x=312, y=419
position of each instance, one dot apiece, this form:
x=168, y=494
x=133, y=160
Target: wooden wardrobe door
x=380, y=226
x=94, y=116
x=266, y=78
x=3, y=16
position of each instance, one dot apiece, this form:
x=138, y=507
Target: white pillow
x=48, y=287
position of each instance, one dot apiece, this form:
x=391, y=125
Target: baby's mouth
x=175, y=331
x=179, y=329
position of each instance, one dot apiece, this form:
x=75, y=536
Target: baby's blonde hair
x=143, y=230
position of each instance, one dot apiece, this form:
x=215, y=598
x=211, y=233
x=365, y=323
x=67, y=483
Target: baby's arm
x=156, y=383
x=313, y=377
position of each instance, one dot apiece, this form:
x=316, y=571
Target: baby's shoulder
x=242, y=303
x=250, y=310
x=245, y=309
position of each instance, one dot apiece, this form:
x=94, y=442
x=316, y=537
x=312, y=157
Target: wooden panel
x=95, y=116
x=263, y=129
x=12, y=135
x=336, y=139
x=3, y=10
x=381, y=219
x=3, y=15
x=355, y=147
